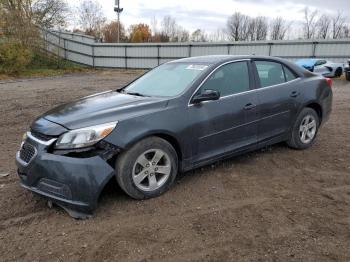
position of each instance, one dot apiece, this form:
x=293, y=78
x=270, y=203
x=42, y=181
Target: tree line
x=239, y=27
x=21, y=18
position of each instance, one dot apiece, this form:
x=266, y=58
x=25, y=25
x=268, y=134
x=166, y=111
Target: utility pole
x=118, y=10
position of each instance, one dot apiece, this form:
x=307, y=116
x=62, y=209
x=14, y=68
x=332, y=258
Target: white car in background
x=322, y=67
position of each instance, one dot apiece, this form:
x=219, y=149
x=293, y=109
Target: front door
x=230, y=123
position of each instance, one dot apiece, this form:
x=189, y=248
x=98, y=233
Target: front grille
x=40, y=136
x=27, y=152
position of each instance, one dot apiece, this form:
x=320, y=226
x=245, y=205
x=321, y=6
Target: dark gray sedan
x=179, y=116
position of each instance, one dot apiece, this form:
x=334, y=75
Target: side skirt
x=187, y=165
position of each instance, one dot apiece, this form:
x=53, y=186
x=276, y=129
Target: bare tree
x=182, y=35
x=171, y=31
x=238, y=27
x=338, y=22
x=91, y=17
x=257, y=28
x=261, y=28
x=198, y=36
x=219, y=35
x=279, y=28
x=169, y=27
x=323, y=26
x=252, y=26
x=346, y=31
x=49, y=13
x=310, y=23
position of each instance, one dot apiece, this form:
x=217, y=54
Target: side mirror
x=207, y=95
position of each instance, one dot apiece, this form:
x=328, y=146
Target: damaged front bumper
x=71, y=182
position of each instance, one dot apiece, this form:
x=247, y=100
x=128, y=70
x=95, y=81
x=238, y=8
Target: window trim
x=250, y=74
x=258, y=83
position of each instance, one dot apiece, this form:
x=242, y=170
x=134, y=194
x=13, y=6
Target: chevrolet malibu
x=179, y=116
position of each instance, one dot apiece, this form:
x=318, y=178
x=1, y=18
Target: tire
x=137, y=170
x=300, y=128
x=338, y=72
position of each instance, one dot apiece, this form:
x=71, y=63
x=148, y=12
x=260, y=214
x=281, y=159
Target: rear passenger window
x=289, y=74
x=270, y=73
x=229, y=79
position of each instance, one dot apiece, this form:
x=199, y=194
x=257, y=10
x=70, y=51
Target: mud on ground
x=275, y=204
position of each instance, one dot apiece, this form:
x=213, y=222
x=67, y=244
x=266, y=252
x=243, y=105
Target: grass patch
x=43, y=65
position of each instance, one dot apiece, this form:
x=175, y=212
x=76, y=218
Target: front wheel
x=305, y=129
x=147, y=169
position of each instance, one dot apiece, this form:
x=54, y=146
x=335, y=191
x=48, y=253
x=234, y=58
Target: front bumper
x=70, y=182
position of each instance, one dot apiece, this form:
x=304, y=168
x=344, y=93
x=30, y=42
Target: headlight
x=84, y=137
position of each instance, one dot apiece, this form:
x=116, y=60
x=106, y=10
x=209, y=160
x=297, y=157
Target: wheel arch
x=171, y=139
x=340, y=70
x=317, y=107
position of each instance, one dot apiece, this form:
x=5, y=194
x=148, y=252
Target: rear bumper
x=73, y=183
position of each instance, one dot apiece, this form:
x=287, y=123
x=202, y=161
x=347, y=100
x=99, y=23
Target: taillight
x=329, y=82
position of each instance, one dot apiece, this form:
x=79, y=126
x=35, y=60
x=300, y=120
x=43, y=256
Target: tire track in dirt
x=116, y=236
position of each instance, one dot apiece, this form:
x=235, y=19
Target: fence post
x=228, y=49
x=158, y=54
x=189, y=50
x=314, y=49
x=270, y=48
x=93, y=55
x=65, y=48
x=126, y=57
x=58, y=50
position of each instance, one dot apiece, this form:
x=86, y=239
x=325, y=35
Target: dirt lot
x=276, y=204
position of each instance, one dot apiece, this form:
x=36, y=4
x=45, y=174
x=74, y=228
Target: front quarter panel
x=171, y=120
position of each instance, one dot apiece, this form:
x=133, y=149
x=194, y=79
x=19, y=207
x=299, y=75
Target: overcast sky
x=212, y=14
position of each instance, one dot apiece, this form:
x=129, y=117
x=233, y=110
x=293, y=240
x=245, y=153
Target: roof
x=210, y=59
x=214, y=59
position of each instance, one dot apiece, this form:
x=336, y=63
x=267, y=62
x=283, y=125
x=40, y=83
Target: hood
x=46, y=127
x=102, y=108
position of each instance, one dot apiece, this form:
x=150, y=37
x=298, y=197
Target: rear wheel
x=338, y=72
x=147, y=169
x=305, y=129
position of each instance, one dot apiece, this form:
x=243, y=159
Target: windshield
x=166, y=80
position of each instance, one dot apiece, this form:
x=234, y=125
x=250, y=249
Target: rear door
x=278, y=92
x=228, y=124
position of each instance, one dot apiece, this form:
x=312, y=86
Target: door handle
x=249, y=106
x=294, y=94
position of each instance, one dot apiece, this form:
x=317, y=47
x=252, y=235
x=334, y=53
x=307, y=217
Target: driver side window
x=320, y=62
x=229, y=79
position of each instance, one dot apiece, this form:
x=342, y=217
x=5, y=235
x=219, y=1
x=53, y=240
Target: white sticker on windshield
x=197, y=67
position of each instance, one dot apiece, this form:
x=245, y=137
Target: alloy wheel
x=151, y=170
x=307, y=129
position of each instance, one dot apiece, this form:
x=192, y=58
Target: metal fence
x=84, y=50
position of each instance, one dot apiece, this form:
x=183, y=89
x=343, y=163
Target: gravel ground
x=275, y=204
